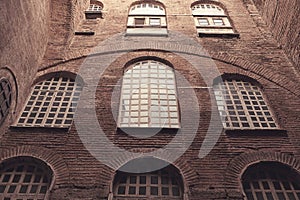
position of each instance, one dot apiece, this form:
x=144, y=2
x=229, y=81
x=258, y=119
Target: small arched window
x=5, y=98
x=149, y=97
x=271, y=181
x=52, y=103
x=211, y=20
x=242, y=105
x=147, y=19
x=94, y=10
x=165, y=183
x=24, y=178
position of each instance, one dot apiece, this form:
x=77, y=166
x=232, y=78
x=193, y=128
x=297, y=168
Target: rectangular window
x=203, y=21
x=218, y=22
x=154, y=21
x=139, y=21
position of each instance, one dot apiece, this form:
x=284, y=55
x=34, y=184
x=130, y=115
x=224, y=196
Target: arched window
x=94, y=10
x=147, y=19
x=5, y=98
x=271, y=181
x=148, y=96
x=24, y=178
x=211, y=20
x=52, y=103
x=242, y=105
x=165, y=183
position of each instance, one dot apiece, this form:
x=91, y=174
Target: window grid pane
x=94, y=7
x=160, y=183
x=52, y=103
x=148, y=97
x=241, y=105
x=5, y=99
x=271, y=184
x=24, y=181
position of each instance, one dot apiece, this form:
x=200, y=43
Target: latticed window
x=164, y=183
x=24, y=179
x=52, y=103
x=148, y=96
x=271, y=181
x=5, y=98
x=242, y=106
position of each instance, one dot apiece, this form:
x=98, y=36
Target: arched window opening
x=52, y=103
x=242, y=105
x=271, y=181
x=212, y=20
x=147, y=19
x=165, y=183
x=149, y=97
x=5, y=98
x=94, y=10
x=24, y=178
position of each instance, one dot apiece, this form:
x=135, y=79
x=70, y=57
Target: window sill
x=256, y=132
x=36, y=129
x=156, y=32
x=224, y=35
x=146, y=131
x=93, y=14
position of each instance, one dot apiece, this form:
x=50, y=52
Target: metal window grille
x=162, y=183
x=5, y=99
x=94, y=7
x=24, y=181
x=52, y=103
x=271, y=183
x=148, y=97
x=242, y=105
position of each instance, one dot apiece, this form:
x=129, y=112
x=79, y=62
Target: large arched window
x=5, y=98
x=165, y=183
x=148, y=97
x=242, y=105
x=211, y=19
x=146, y=18
x=271, y=181
x=52, y=103
x=24, y=178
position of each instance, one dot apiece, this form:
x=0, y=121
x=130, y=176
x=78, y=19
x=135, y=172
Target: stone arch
x=51, y=158
x=239, y=164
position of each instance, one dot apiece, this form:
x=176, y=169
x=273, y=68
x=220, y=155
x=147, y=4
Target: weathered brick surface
x=101, y=59
x=282, y=17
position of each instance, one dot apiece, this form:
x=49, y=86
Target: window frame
x=235, y=104
x=168, y=97
x=270, y=179
x=6, y=100
x=51, y=100
x=162, y=180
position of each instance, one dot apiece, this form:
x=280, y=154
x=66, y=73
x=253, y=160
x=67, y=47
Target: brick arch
x=188, y=174
x=67, y=74
x=238, y=165
x=181, y=48
x=51, y=158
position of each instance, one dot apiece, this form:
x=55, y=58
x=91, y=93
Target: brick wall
x=101, y=59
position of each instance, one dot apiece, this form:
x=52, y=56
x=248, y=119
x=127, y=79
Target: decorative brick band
x=239, y=164
x=55, y=162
